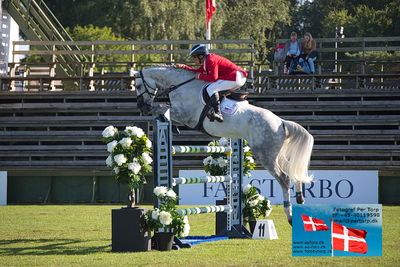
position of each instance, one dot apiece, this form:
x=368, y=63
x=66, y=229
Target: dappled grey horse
x=282, y=147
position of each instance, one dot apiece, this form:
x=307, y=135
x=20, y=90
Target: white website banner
x=328, y=187
x=3, y=188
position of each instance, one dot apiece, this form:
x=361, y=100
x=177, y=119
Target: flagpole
x=210, y=9
x=208, y=33
x=332, y=237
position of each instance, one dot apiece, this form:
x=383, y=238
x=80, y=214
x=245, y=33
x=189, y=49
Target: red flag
x=210, y=9
x=348, y=239
x=313, y=224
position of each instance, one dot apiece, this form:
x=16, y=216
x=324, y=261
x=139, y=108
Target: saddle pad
x=229, y=106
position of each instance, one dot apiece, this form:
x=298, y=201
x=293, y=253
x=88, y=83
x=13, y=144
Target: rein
x=166, y=92
x=203, y=114
x=146, y=85
x=174, y=87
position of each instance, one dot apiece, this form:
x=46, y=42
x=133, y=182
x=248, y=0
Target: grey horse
x=283, y=147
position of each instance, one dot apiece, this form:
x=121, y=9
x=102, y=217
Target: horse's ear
x=134, y=73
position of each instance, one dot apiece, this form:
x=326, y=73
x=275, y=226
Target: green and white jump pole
x=163, y=174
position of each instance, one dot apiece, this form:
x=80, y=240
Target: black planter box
x=127, y=234
x=220, y=219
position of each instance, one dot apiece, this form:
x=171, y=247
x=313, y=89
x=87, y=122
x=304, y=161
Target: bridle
x=146, y=86
x=165, y=92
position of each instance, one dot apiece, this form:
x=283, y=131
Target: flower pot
x=252, y=225
x=164, y=241
x=127, y=232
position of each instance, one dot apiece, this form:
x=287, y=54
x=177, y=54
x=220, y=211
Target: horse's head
x=146, y=89
x=156, y=81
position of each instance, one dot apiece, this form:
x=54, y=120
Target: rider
x=221, y=72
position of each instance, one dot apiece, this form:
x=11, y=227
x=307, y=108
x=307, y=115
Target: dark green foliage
x=255, y=205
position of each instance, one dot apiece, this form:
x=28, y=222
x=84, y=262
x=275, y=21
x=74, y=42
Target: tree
x=253, y=19
x=366, y=22
x=94, y=33
x=177, y=20
x=362, y=17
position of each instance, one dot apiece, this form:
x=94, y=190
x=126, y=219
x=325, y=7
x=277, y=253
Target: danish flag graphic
x=313, y=224
x=348, y=239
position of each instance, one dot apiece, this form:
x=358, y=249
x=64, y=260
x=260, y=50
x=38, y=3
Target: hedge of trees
x=261, y=20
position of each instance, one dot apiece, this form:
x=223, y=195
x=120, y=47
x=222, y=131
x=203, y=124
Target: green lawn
x=80, y=235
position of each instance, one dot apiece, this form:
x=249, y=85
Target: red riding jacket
x=217, y=68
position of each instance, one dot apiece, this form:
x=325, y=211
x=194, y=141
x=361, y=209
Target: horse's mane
x=171, y=68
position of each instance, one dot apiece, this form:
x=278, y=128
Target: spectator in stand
x=292, y=47
x=308, y=51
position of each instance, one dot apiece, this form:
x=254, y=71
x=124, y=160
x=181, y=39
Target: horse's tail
x=294, y=156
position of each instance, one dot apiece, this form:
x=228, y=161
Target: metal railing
x=168, y=51
x=265, y=83
x=39, y=23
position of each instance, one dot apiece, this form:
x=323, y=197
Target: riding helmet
x=199, y=49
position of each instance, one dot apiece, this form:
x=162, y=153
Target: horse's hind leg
x=268, y=160
x=299, y=193
x=284, y=182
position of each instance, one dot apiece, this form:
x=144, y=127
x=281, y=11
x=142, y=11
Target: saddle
x=231, y=94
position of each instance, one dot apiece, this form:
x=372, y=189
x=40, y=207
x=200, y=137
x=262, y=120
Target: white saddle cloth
x=229, y=106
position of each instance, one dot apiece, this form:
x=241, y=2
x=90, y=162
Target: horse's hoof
x=299, y=198
x=290, y=221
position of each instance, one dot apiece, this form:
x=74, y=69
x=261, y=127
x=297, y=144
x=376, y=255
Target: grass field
x=80, y=235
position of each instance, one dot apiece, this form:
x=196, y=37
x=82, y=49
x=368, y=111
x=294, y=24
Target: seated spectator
x=292, y=47
x=308, y=51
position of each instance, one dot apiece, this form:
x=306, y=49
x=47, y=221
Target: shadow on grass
x=50, y=247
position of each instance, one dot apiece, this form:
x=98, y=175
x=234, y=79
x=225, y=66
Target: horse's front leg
x=158, y=109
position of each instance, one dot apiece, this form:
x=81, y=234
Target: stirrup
x=215, y=117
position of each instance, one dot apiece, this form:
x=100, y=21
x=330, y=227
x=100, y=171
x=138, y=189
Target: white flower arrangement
x=165, y=218
x=135, y=167
x=109, y=131
x=160, y=191
x=217, y=163
x=120, y=159
x=125, y=142
x=130, y=154
x=136, y=131
x=111, y=146
x=255, y=205
x=166, y=215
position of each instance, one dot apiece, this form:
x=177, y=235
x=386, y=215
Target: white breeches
x=220, y=85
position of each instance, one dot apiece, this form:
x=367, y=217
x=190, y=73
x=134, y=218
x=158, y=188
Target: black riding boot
x=216, y=106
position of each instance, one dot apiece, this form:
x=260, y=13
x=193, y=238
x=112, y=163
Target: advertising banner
x=328, y=186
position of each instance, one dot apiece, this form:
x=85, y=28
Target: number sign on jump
x=265, y=229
